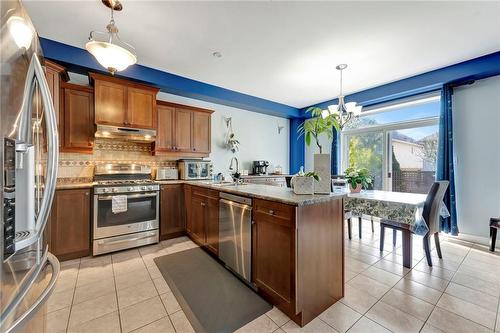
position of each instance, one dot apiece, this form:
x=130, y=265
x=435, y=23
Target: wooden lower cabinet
x=69, y=224
x=203, y=217
x=273, y=253
x=172, y=211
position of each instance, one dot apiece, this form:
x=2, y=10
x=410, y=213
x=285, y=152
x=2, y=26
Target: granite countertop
x=74, y=183
x=265, y=176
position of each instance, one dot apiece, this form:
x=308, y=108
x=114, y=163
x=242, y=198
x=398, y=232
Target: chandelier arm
x=123, y=42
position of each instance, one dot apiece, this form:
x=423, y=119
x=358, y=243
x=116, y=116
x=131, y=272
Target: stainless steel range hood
x=125, y=133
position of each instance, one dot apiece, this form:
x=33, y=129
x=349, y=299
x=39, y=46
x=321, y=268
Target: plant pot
x=303, y=185
x=323, y=168
x=355, y=190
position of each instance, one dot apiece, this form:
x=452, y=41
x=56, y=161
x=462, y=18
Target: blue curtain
x=445, y=169
x=335, y=155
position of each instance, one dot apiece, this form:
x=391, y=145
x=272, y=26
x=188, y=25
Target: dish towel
x=119, y=204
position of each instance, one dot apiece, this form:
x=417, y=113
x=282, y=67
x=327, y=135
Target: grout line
x=116, y=294
x=73, y=297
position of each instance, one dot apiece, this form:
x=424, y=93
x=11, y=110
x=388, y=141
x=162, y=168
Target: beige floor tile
x=170, y=302
x=136, y=294
x=163, y=325
x=149, y=249
x=473, y=296
x=141, y=314
x=394, y=319
x=60, y=300
x=392, y=267
x=340, y=316
x=358, y=300
x=364, y=257
x=369, y=286
x=365, y=325
x=261, y=324
x=437, y=271
x=409, y=304
x=94, y=290
x=161, y=285
x=58, y=320
x=277, y=316
x=473, y=282
x=91, y=309
x=315, y=326
x=154, y=272
x=355, y=265
x=497, y=329
x=125, y=255
x=98, y=261
x=94, y=274
x=127, y=266
x=279, y=330
x=480, y=274
x=349, y=275
x=129, y=280
x=382, y=276
x=181, y=323
x=67, y=278
x=109, y=323
x=468, y=310
x=427, y=280
x=430, y=329
x=398, y=259
x=452, y=323
x=446, y=263
x=419, y=290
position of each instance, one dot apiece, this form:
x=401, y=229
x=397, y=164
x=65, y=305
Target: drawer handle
x=203, y=204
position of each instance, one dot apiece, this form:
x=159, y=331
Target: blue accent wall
x=80, y=61
x=297, y=146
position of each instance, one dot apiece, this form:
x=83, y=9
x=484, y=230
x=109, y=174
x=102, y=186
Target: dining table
x=404, y=208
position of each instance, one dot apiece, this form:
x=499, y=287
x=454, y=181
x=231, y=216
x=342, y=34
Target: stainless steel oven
x=136, y=224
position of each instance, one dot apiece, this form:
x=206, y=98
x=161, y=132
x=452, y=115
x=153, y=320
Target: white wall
x=476, y=112
x=257, y=133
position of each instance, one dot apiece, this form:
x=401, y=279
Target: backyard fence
x=412, y=181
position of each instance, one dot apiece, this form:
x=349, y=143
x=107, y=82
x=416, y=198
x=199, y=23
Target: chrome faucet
x=236, y=174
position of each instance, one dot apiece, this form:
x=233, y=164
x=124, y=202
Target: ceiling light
x=113, y=54
x=346, y=112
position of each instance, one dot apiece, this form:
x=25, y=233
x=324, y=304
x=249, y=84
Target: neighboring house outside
x=408, y=154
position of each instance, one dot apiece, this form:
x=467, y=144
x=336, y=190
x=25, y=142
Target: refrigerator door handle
x=56, y=268
x=36, y=73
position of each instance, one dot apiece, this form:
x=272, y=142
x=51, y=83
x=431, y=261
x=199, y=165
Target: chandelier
x=344, y=112
x=112, y=53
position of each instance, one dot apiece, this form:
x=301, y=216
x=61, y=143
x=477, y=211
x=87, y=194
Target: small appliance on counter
x=195, y=169
x=260, y=167
x=167, y=173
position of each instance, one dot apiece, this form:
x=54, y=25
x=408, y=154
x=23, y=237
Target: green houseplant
x=358, y=178
x=303, y=183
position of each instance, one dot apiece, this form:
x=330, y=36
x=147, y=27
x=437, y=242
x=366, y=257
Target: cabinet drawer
x=274, y=209
x=205, y=192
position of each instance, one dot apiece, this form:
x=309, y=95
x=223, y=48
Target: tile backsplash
x=73, y=165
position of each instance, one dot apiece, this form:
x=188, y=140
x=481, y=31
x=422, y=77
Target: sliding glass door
x=397, y=143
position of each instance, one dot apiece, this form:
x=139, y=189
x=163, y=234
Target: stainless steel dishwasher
x=235, y=233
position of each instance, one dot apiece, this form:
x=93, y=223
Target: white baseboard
x=474, y=239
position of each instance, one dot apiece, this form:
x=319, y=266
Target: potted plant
x=303, y=183
x=321, y=123
x=357, y=179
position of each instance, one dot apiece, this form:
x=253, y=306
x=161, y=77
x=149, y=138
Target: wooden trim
x=102, y=77
x=177, y=154
x=67, y=85
x=176, y=105
x=63, y=74
x=173, y=235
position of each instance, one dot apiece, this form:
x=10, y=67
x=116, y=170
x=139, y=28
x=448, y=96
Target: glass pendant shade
x=111, y=56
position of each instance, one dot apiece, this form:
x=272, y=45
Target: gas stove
x=123, y=178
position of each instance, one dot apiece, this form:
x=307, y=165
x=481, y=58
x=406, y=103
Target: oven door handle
x=128, y=239
x=129, y=196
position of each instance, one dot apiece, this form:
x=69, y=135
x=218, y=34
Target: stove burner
x=125, y=182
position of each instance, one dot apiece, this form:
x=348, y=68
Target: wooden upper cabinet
x=183, y=130
x=124, y=103
x=110, y=103
x=55, y=73
x=201, y=132
x=141, y=108
x=165, y=132
x=78, y=118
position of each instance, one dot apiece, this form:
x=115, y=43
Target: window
x=397, y=143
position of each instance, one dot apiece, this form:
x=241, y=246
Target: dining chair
x=494, y=226
x=431, y=215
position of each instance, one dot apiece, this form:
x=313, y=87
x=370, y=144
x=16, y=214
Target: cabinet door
x=198, y=205
x=187, y=211
x=70, y=224
x=201, y=132
x=273, y=254
x=183, y=125
x=78, y=120
x=110, y=103
x=172, y=220
x=141, y=108
x=212, y=225
x=165, y=132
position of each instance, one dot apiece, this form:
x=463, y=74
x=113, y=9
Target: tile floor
x=125, y=292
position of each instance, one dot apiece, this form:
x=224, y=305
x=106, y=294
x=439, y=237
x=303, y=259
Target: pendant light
x=112, y=53
x=346, y=111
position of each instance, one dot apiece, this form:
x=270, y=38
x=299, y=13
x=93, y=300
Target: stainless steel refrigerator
x=29, y=158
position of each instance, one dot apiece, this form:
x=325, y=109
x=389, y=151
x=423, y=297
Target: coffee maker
x=260, y=167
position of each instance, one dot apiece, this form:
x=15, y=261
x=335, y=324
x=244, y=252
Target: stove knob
x=105, y=190
x=115, y=190
x=150, y=188
x=143, y=188
x=130, y=189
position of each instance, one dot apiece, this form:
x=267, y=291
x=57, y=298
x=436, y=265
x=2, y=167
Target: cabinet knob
x=203, y=204
x=271, y=211
x=194, y=149
x=87, y=193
